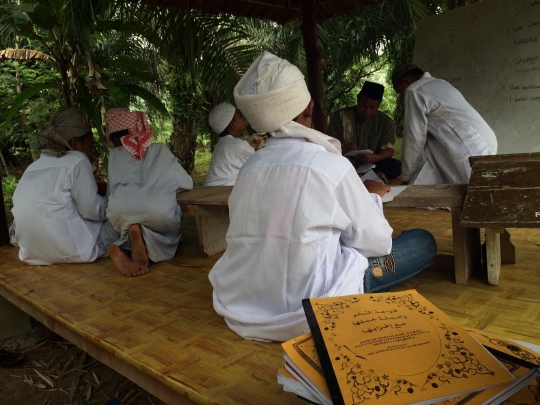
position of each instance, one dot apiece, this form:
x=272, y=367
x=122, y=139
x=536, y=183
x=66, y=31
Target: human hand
x=371, y=158
x=377, y=188
x=348, y=147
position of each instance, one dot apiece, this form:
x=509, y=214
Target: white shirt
x=301, y=225
x=144, y=191
x=229, y=156
x=57, y=211
x=441, y=127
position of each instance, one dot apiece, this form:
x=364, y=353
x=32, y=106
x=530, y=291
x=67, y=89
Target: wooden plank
x=467, y=251
x=159, y=330
x=150, y=384
x=504, y=158
x=212, y=225
x=503, y=192
x=438, y=196
x=493, y=254
x=205, y=195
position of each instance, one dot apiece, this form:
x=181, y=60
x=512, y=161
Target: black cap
x=373, y=91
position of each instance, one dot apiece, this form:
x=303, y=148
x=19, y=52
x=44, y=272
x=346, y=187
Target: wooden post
x=313, y=59
x=212, y=226
x=493, y=253
x=4, y=231
x=466, y=248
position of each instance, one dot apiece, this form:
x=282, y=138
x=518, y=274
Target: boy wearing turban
x=364, y=127
x=58, y=213
x=302, y=223
x=441, y=130
x=231, y=152
x=143, y=180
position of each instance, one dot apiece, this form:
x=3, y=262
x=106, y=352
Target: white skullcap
x=220, y=117
x=271, y=93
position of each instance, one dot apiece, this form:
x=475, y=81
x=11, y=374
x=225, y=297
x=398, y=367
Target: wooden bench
x=159, y=330
x=504, y=192
x=209, y=205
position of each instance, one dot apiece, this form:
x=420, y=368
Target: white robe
x=144, y=192
x=57, y=212
x=301, y=225
x=229, y=156
x=441, y=131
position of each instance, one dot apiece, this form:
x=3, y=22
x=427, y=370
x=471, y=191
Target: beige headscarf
x=65, y=124
x=271, y=94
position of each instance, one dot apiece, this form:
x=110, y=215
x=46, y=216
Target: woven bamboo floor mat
x=164, y=325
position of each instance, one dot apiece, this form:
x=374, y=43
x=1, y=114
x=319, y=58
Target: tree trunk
x=3, y=159
x=183, y=143
x=4, y=230
x=212, y=100
x=313, y=59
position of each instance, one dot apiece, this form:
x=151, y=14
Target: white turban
x=220, y=117
x=271, y=93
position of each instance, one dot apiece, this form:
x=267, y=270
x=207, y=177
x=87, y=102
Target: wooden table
x=504, y=192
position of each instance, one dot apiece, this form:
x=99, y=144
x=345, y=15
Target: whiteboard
x=490, y=51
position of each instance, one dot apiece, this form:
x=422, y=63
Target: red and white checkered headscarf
x=139, y=133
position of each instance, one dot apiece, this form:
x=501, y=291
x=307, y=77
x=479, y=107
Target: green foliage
x=26, y=94
x=17, y=137
x=166, y=60
x=204, y=142
x=9, y=184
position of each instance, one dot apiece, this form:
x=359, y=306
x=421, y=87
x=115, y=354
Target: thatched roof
x=281, y=11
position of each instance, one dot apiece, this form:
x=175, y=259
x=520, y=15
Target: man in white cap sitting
x=302, y=223
x=231, y=152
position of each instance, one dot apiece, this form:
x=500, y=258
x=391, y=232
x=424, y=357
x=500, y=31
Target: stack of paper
x=364, y=168
x=353, y=153
x=398, y=348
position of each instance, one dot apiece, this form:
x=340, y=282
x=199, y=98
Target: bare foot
x=123, y=263
x=138, y=247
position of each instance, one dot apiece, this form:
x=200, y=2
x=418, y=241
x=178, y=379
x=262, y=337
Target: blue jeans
x=412, y=252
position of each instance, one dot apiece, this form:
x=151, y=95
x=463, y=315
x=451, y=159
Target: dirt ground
x=55, y=372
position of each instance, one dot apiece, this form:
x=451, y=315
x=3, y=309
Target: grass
x=202, y=163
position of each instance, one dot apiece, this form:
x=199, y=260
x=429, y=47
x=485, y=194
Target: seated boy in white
x=143, y=180
x=302, y=223
x=231, y=152
x=58, y=213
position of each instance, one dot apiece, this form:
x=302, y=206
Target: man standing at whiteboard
x=441, y=129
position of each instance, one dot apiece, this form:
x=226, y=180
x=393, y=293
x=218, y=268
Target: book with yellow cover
x=396, y=348
x=521, y=361
x=302, y=360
